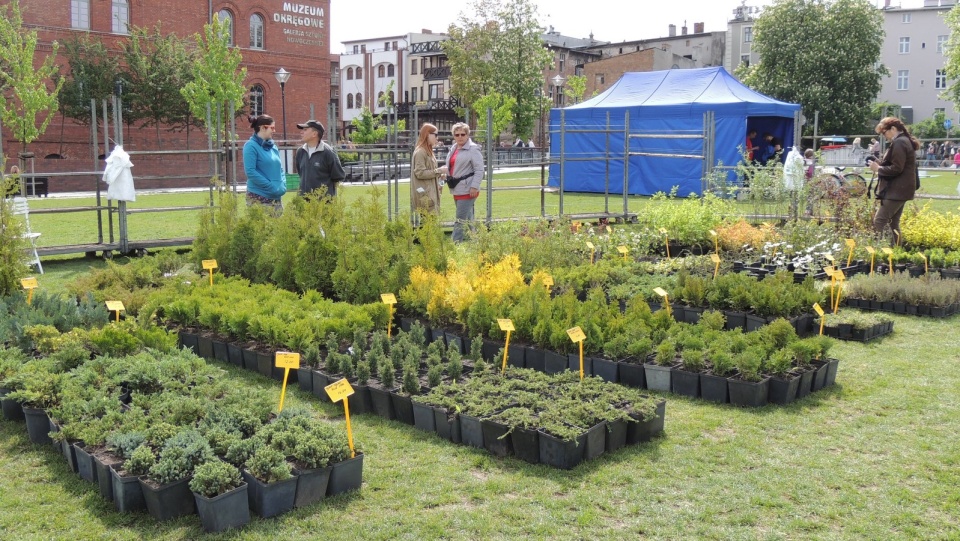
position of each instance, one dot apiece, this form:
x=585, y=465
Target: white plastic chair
x=21, y=208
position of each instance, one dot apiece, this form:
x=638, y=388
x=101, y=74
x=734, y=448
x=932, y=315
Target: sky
x=609, y=20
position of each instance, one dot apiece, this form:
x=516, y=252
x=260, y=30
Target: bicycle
x=851, y=182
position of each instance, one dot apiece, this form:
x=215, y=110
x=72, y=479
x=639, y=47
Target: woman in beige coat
x=425, y=176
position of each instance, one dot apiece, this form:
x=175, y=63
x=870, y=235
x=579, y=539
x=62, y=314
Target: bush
x=215, y=477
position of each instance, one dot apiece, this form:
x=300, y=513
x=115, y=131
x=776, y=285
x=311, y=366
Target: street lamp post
x=539, y=94
x=282, y=76
x=558, y=81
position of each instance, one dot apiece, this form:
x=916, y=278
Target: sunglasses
x=459, y=135
x=433, y=133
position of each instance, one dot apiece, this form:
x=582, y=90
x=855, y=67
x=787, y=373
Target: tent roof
x=704, y=86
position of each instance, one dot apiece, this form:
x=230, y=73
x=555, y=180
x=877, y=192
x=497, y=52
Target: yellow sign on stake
x=285, y=360
x=389, y=299
x=209, y=265
x=341, y=390
x=623, y=250
x=577, y=336
x=873, y=256
x=889, y=253
x=115, y=306
x=852, y=244
x=505, y=325
x=666, y=298
x=593, y=251
x=548, y=281
x=926, y=267
x=29, y=284
x=609, y=230
x=716, y=241
x=716, y=260
x=819, y=311
x=666, y=240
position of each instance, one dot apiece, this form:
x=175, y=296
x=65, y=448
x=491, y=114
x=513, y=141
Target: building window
x=386, y=45
x=413, y=94
x=392, y=97
x=942, y=43
x=380, y=101
x=940, y=81
x=359, y=100
x=563, y=60
x=381, y=71
x=905, y=18
x=120, y=17
x=80, y=14
x=903, y=80
x=226, y=18
x=394, y=45
x=359, y=73
x=356, y=49
x=256, y=100
x=904, y=45
x=413, y=67
x=256, y=31
x=747, y=34
x=363, y=48
x=939, y=111
x=349, y=101
x=349, y=74
x=436, y=92
x=745, y=60
x=390, y=70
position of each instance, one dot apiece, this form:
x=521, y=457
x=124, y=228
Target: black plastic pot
x=596, y=441
x=685, y=383
x=127, y=494
x=402, y=407
x=382, y=404
x=658, y=377
x=305, y=379
x=311, y=485
x=228, y=510
x=104, y=479
x=220, y=351
x=526, y=444
x=235, y=354
x=615, y=435
x=533, y=358
x=606, y=369
x=12, y=410
x=448, y=426
x=496, y=438
x=85, y=464
x=563, y=454
x=346, y=476
x=644, y=430
x=714, y=388
x=270, y=500
x=169, y=501
x=423, y=417
x=250, y=359
x=748, y=393
x=471, y=432
x=38, y=426
x=783, y=391
x=631, y=374
x=553, y=362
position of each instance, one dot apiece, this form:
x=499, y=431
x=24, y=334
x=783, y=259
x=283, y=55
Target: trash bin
x=293, y=182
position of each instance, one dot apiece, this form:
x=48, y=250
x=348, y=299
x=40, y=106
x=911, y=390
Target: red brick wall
x=303, y=50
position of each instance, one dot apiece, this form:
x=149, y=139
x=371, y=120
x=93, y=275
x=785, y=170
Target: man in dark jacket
x=317, y=162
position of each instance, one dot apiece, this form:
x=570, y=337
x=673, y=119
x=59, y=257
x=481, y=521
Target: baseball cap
x=312, y=124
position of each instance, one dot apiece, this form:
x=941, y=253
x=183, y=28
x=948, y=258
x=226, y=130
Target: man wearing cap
x=317, y=162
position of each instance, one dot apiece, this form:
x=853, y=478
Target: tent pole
x=563, y=125
x=606, y=163
x=626, y=159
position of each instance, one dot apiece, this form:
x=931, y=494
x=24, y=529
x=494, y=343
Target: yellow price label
x=388, y=298
x=115, y=306
x=209, y=264
x=576, y=335
x=715, y=258
x=286, y=359
x=713, y=233
x=870, y=250
x=888, y=251
x=817, y=309
x=29, y=283
x=830, y=271
x=548, y=280
x=591, y=246
x=338, y=390
x=623, y=249
x=838, y=274
x=609, y=230
x=851, y=243
x=660, y=291
x=828, y=257
x=663, y=230
x=506, y=324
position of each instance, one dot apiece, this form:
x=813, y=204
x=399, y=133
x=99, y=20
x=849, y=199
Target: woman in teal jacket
x=261, y=162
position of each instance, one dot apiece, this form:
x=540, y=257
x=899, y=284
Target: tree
x=158, y=66
x=930, y=128
x=91, y=76
x=952, y=92
x=370, y=128
x=576, y=87
x=217, y=78
x=824, y=55
x=25, y=87
x=502, y=107
x=499, y=50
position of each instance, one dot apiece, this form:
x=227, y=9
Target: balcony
x=428, y=105
x=433, y=74
x=426, y=48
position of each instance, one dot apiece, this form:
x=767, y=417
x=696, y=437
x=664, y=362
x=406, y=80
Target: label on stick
x=576, y=334
x=388, y=298
x=28, y=283
x=338, y=390
x=115, y=306
x=505, y=324
x=286, y=359
x=209, y=264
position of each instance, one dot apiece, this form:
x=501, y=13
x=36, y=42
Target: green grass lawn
x=875, y=457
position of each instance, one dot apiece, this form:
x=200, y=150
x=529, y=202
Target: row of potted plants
x=855, y=325
x=925, y=296
x=135, y=415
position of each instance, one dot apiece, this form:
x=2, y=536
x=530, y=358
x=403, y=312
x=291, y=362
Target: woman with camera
x=897, y=174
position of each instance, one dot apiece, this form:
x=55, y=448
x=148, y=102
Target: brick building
x=270, y=34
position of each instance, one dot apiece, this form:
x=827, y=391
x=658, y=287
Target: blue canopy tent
x=667, y=125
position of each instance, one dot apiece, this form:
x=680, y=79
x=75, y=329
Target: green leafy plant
x=215, y=477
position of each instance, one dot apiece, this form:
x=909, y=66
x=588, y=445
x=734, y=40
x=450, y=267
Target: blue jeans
x=464, y=218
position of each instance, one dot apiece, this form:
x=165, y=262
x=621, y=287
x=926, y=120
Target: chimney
x=672, y=30
x=683, y=29
x=697, y=28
